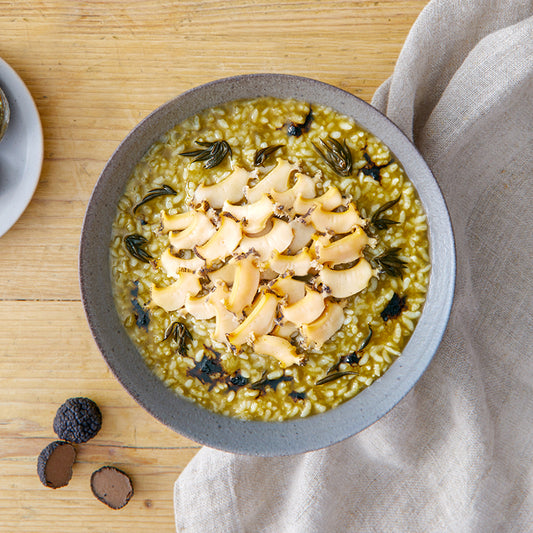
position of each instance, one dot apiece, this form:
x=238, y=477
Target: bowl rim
x=185, y=416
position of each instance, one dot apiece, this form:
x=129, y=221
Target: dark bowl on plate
x=192, y=420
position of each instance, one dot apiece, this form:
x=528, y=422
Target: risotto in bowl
x=267, y=264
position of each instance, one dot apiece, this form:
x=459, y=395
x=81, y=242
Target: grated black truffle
x=77, y=420
x=54, y=464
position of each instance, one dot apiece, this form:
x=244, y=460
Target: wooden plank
x=47, y=356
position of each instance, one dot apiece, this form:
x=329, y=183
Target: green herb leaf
x=389, y=262
x=134, y=244
x=364, y=344
x=165, y=190
x=262, y=154
x=213, y=155
x=384, y=223
x=336, y=155
x=335, y=375
x=181, y=336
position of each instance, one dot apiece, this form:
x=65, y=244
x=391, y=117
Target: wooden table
x=95, y=69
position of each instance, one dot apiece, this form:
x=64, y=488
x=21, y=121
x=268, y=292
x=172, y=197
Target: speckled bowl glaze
x=192, y=420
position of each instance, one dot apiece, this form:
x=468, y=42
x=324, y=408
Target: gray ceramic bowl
x=191, y=420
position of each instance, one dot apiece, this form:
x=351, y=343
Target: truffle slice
x=54, y=465
x=112, y=486
x=77, y=420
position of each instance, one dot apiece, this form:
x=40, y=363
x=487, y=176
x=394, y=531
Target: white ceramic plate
x=21, y=149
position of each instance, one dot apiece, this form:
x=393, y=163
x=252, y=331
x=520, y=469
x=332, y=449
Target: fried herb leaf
x=389, y=262
x=383, y=223
x=165, y=190
x=373, y=170
x=181, y=336
x=296, y=130
x=336, y=155
x=262, y=154
x=394, y=307
x=335, y=375
x=134, y=244
x=213, y=154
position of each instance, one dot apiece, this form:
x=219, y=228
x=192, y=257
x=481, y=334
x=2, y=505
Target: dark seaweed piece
x=180, y=334
x=142, y=315
x=213, y=155
x=384, y=223
x=134, y=244
x=262, y=154
x=394, y=307
x=297, y=395
x=264, y=382
x=236, y=382
x=77, y=420
x=208, y=370
x=335, y=375
x=373, y=170
x=336, y=155
x=165, y=190
x=353, y=358
x=296, y=130
x=389, y=262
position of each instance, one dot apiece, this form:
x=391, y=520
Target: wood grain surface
x=95, y=69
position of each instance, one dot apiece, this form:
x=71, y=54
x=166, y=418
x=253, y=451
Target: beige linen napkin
x=456, y=454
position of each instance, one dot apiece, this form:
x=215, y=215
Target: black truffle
x=54, y=465
x=77, y=420
x=112, y=486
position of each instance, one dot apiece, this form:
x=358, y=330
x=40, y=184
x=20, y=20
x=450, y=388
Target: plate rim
x=12, y=83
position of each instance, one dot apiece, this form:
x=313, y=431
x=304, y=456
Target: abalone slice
x=253, y=216
x=199, y=231
x=172, y=298
x=260, y=321
x=230, y=188
x=278, y=238
x=322, y=329
x=344, y=283
x=276, y=180
x=279, y=348
x=333, y=222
